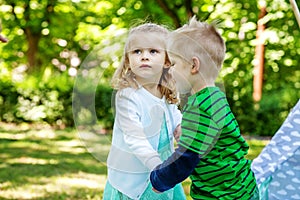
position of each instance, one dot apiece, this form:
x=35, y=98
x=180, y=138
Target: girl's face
x=146, y=56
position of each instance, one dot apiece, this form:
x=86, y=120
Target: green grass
x=256, y=145
x=48, y=164
x=56, y=164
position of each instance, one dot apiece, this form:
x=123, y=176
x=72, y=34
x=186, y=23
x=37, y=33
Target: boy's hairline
x=187, y=31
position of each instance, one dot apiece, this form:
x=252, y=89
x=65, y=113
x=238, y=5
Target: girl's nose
x=145, y=55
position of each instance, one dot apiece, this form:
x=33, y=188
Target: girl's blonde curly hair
x=124, y=77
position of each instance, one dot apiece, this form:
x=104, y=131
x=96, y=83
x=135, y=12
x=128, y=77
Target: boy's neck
x=198, y=88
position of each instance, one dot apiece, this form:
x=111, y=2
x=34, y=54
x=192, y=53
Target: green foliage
x=281, y=73
x=92, y=103
x=50, y=100
x=74, y=38
x=104, y=101
x=8, y=100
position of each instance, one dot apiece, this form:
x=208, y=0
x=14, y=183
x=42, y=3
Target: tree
x=259, y=57
x=59, y=40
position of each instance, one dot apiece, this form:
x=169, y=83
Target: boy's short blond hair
x=198, y=39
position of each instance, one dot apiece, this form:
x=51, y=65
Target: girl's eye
x=153, y=51
x=137, y=51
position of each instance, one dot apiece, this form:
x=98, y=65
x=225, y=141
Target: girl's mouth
x=145, y=66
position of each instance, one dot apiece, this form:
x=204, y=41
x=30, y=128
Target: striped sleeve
x=203, y=121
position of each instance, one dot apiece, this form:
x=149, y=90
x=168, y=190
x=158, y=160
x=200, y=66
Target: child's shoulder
x=128, y=92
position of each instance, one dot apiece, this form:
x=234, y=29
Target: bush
x=263, y=118
x=57, y=102
x=37, y=100
x=8, y=100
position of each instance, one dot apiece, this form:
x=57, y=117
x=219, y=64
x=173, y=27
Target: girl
x=146, y=117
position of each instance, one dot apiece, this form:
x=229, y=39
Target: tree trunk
x=259, y=58
x=164, y=5
x=189, y=9
x=33, y=42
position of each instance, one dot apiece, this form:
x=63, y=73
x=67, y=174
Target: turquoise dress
x=176, y=193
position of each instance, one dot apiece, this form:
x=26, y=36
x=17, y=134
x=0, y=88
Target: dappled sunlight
x=33, y=146
x=61, y=164
x=48, y=164
x=30, y=160
x=65, y=184
x=81, y=180
x=16, y=136
x=97, y=144
x=45, y=133
x=73, y=146
x=4, y=185
x=3, y=165
x=31, y=192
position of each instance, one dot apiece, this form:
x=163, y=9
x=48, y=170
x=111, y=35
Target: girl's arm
x=129, y=120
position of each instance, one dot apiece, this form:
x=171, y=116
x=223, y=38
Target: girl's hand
x=177, y=133
x=155, y=190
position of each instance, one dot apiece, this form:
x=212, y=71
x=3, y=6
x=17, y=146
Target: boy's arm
x=174, y=170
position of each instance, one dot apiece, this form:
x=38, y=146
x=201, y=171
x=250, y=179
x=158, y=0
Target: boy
x=211, y=149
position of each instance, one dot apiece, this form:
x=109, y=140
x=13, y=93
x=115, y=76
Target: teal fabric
x=177, y=193
x=110, y=193
x=256, y=195
x=264, y=189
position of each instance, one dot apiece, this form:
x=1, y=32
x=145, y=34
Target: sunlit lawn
x=55, y=164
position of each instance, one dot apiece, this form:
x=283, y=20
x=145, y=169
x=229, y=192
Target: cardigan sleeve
x=176, y=113
x=128, y=117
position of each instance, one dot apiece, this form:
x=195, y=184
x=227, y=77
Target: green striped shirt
x=210, y=129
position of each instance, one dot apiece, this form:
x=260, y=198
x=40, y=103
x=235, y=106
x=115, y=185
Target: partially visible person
x=146, y=117
x=3, y=39
x=211, y=149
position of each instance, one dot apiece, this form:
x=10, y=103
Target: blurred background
x=54, y=43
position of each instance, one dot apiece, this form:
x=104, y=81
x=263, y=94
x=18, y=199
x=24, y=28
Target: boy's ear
x=196, y=65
